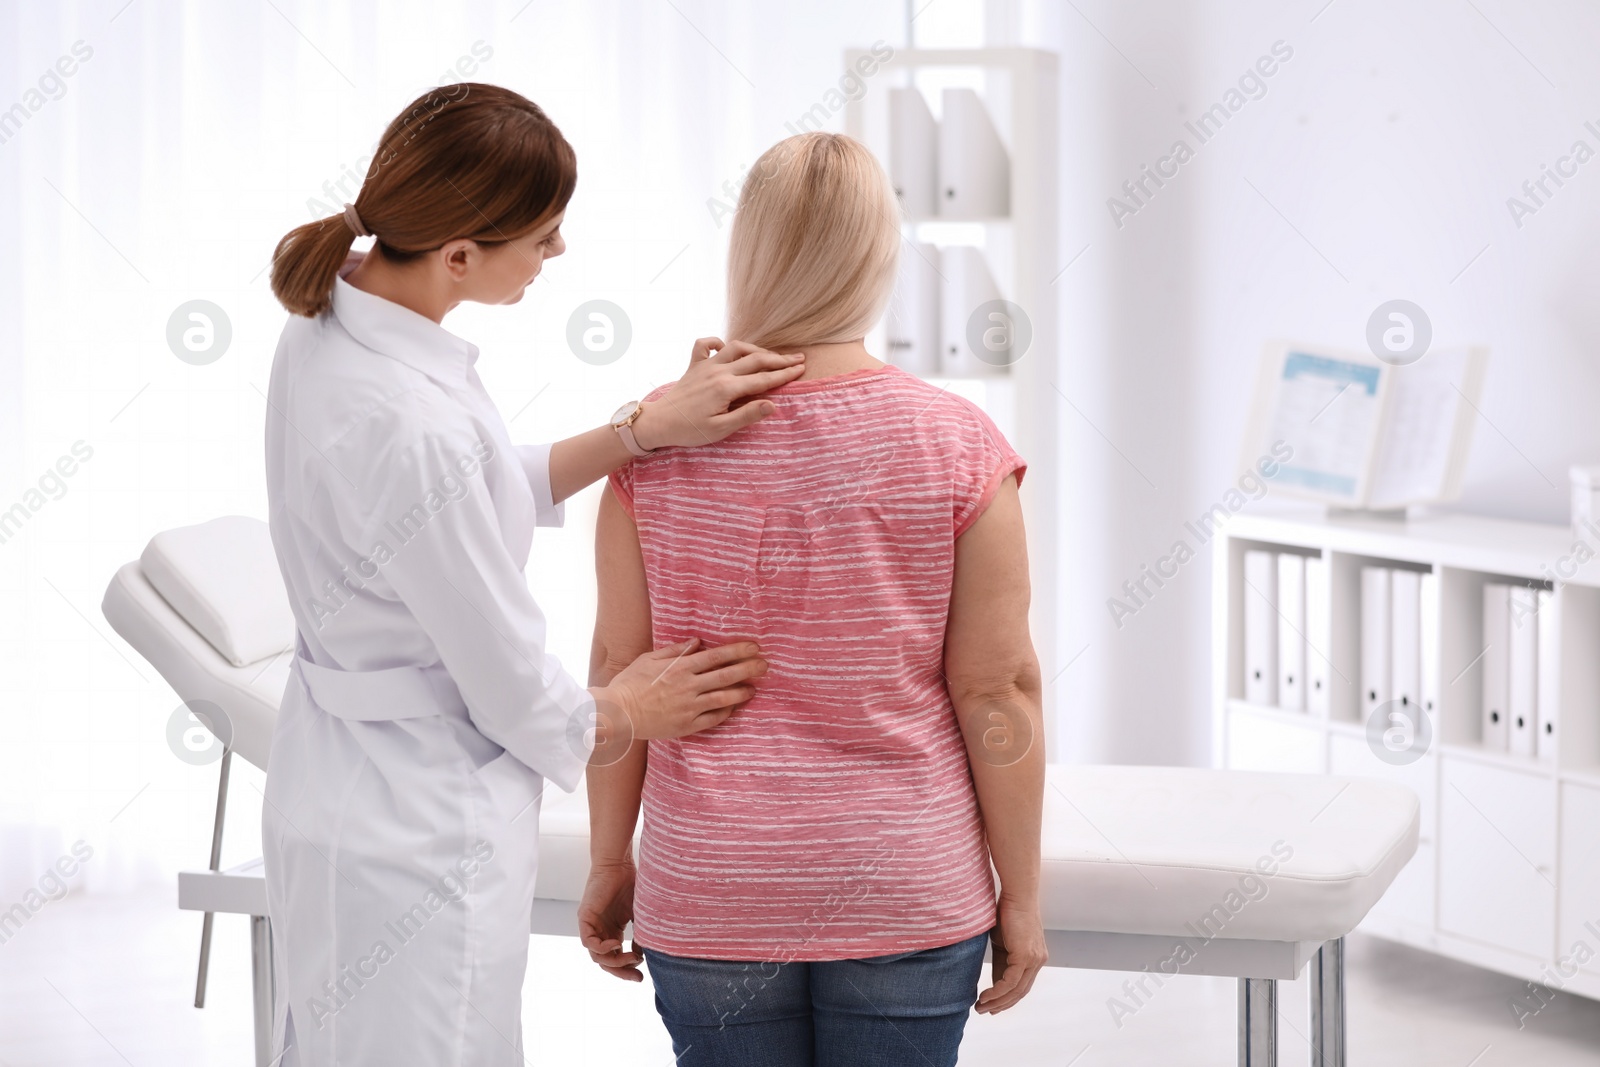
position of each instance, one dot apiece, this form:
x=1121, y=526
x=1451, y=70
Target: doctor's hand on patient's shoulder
x=1017, y=952
x=679, y=690
x=603, y=914
x=708, y=402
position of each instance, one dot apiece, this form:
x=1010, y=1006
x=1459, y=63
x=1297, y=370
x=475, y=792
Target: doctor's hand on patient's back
x=676, y=691
x=714, y=396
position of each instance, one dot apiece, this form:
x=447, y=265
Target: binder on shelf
x=1428, y=640
x=1260, y=628
x=912, y=324
x=1549, y=699
x=1405, y=634
x=967, y=286
x=1291, y=632
x=913, y=152
x=1376, y=646
x=1496, y=665
x=974, y=170
x=1319, y=656
x=1522, y=706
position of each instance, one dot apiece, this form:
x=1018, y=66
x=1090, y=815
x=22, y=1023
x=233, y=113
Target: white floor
x=109, y=980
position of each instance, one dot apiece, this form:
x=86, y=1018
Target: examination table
x=1162, y=870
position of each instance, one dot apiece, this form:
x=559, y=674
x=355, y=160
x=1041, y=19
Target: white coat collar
x=402, y=334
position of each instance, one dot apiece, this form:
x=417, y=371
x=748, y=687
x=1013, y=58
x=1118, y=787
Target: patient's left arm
x=616, y=769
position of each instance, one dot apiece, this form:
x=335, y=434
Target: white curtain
x=163, y=168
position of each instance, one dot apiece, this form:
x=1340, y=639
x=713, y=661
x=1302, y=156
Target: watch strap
x=625, y=431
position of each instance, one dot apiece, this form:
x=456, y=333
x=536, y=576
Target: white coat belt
x=384, y=695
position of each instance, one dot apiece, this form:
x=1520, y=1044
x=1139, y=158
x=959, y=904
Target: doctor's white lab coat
x=423, y=714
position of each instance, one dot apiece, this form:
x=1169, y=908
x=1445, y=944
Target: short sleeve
x=621, y=482
x=984, y=459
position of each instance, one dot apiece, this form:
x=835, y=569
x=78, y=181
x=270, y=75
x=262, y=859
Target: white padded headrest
x=222, y=577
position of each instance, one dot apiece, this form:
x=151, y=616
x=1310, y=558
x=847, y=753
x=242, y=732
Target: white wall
x=1390, y=141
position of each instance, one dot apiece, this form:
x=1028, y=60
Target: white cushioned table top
x=249, y=695
x=1166, y=850
x=205, y=605
x=222, y=577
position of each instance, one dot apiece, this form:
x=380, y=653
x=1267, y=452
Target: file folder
x=1522, y=707
x=1549, y=700
x=1291, y=632
x=1260, y=628
x=967, y=287
x=912, y=325
x=1405, y=631
x=1319, y=656
x=1376, y=646
x=913, y=153
x=1496, y=665
x=974, y=170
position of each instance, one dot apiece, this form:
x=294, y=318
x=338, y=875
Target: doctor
x=423, y=715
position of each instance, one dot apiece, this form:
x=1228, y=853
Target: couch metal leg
x=1327, y=1005
x=261, y=986
x=1258, y=1022
x=216, y=864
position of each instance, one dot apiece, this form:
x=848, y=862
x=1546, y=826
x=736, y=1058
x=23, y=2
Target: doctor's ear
x=460, y=256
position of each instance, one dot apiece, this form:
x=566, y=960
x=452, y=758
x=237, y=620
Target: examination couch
x=1168, y=871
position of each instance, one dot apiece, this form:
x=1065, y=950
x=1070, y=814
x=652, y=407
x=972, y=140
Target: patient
x=814, y=881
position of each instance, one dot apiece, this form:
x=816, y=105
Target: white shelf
x=1020, y=94
x=1493, y=546
x=1020, y=91
x=1505, y=875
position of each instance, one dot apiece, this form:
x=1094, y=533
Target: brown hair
x=815, y=240
x=466, y=160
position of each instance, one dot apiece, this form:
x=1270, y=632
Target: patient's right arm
x=640, y=694
x=616, y=769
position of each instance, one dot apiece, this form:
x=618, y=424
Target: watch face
x=622, y=413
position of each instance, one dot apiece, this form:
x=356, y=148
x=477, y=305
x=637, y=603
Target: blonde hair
x=814, y=246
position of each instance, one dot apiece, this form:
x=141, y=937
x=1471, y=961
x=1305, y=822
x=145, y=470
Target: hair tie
x=352, y=220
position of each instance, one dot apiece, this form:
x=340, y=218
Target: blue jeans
x=904, y=1010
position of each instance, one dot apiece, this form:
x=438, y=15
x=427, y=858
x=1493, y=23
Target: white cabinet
x=1580, y=873
x=1410, y=898
x=1497, y=856
x=1507, y=869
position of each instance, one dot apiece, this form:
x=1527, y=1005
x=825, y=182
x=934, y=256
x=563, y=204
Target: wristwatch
x=623, y=421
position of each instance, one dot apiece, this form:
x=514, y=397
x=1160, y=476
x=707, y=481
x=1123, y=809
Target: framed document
x=1363, y=433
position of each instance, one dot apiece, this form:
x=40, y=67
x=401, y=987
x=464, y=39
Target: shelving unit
x=1507, y=871
x=1018, y=88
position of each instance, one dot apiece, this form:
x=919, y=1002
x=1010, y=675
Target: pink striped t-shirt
x=832, y=817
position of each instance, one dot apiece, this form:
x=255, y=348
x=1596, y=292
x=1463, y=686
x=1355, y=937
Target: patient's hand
x=1018, y=951
x=606, y=909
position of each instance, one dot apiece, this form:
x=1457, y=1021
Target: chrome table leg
x=1327, y=1005
x=261, y=986
x=1258, y=1022
x=216, y=860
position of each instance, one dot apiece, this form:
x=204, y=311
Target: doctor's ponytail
x=466, y=160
